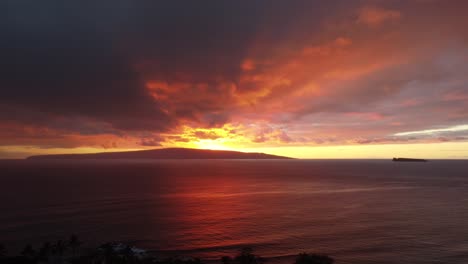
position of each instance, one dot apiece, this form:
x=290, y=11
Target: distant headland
x=166, y=153
x=408, y=160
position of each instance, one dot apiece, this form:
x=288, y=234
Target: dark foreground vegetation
x=72, y=252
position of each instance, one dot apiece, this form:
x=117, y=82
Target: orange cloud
x=351, y=76
x=375, y=16
x=203, y=104
x=248, y=65
x=369, y=116
x=45, y=137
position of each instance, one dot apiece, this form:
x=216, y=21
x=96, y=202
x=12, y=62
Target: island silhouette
x=408, y=160
x=165, y=153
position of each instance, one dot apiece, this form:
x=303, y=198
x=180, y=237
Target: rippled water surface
x=356, y=211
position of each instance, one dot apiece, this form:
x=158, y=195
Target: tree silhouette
x=305, y=258
x=60, y=247
x=246, y=256
x=127, y=253
x=226, y=259
x=28, y=251
x=108, y=250
x=112, y=253
x=2, y=251
x=45, y=251
x=74, y=243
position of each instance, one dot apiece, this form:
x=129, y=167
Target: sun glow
x=211, y=144
x=222, y=138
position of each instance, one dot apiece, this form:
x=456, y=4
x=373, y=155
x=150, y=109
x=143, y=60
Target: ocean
x=356, y=211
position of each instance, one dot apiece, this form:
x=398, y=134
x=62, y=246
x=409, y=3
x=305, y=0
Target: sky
x=303, y=78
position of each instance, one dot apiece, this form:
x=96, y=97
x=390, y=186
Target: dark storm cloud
x=57, y=62
x=91, y=60
x=190, y=39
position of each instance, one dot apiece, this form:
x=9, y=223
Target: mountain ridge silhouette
x=164, y=153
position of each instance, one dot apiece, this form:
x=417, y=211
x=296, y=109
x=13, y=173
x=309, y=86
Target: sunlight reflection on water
x=358, y=212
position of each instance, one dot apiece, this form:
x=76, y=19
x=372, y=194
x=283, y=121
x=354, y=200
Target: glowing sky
x=310, y=79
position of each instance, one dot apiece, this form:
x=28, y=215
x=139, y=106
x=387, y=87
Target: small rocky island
x=408, y=160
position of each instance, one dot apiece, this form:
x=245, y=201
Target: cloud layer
x=137, y=74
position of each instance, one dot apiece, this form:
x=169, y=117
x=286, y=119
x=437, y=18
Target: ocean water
x=359, y=211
